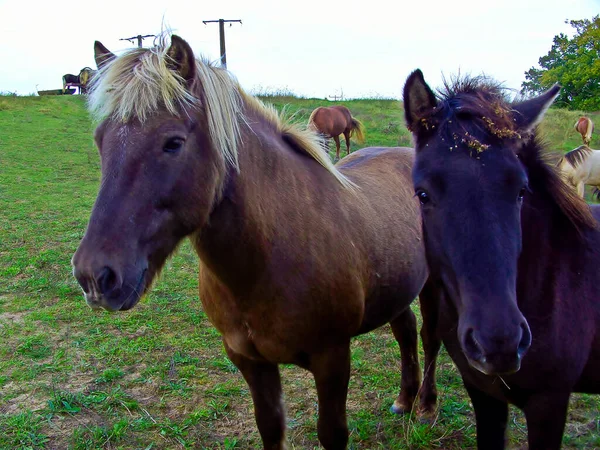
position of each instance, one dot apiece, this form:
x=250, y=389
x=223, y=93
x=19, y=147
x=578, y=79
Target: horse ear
x=531, y=112
x=419, y=99
x=181, y=58
x=101, y=54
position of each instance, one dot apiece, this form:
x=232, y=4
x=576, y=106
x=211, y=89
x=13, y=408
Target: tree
x=574, y=63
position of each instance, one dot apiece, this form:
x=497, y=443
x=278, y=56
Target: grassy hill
x=384, y=121
x=157, y=377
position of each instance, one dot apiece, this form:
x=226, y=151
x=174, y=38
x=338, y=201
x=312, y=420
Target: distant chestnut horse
x=585, y=127
x=331, y=121
x=296, y=257
x=515, y=251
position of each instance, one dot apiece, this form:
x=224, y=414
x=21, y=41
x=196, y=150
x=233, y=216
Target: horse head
x=471, y=185
x=163, y=166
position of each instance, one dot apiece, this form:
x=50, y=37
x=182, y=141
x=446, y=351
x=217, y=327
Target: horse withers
x=515, y=252
x=585, y=127
x=331, y=121
x=297, y=256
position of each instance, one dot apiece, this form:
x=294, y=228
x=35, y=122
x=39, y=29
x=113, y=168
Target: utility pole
x=338, y=97
x=221, y=37
x=139, y=38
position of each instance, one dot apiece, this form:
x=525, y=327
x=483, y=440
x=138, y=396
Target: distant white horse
x=580, y=167
x=585, y=127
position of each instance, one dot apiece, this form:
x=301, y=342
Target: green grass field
x=157, y=377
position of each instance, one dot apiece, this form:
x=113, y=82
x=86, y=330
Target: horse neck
x=269, y=202
x=556, y=261
x=588, y=129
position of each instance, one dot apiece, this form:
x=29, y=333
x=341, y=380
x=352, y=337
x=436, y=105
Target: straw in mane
x=145, y=81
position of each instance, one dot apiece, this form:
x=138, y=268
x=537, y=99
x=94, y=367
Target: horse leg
x=331, y=369
x=429, y=299
x=347, y=138
x=491, y=416
x=337, y=147
x=546, y=413
x=265, y=386
x=404, y=328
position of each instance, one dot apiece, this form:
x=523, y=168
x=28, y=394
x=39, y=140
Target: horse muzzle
x=496, y=354
x=108, y=289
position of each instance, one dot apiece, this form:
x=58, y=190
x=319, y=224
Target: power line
x=221, y=23
x=139, y=38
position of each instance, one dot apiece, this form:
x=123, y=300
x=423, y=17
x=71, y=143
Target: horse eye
x=173, y=145
x=423, y=196
x=521, y=194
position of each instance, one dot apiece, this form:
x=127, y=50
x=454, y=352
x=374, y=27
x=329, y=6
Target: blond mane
x=140, y=83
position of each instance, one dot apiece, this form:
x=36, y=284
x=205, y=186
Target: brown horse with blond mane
x=585, y=127
x=297, y=256
x=331, y=121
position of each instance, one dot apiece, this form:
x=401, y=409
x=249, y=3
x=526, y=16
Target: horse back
x=585, y=126
x=331, y=120
x=368, y=164
x=70, y=78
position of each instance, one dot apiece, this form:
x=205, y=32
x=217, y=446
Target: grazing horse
x=580, y=167
x=81, y=81
x=331, y=121
x=585, y=127
x=297, y=256
x=515, y=252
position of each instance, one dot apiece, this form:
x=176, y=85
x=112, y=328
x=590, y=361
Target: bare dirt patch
x=30, y=398
x=12, y=317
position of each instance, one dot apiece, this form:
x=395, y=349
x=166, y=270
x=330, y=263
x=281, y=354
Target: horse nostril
x=107, y=280
x=471, y=347
x=525, y=339
x=82, y=282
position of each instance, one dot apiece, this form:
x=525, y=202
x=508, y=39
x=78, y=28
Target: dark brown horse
x=69, y=80
x=515, y=251
x=331, y=121
x=296, y=256
x=81, y=81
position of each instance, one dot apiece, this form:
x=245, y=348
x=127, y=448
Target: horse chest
x=240, y=340
x=238, y=334
x=279, y=332
x=262, y=343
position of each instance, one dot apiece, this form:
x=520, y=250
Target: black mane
x=476, y=109
x=577, y=156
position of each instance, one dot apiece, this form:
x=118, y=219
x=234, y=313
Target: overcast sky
x=314, y=48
